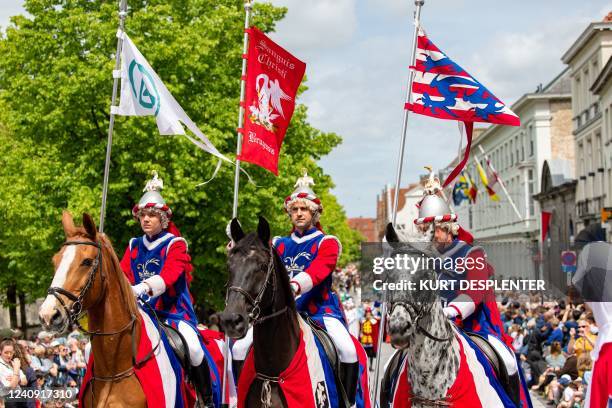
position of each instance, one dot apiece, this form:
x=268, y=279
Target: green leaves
x=55, y=91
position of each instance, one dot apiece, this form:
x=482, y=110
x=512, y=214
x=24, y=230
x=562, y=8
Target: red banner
x=272, y=81
x=545, y=224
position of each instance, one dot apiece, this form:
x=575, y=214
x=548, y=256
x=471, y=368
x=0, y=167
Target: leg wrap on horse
x=342, y=339
x=349, y=375
x=196, y=354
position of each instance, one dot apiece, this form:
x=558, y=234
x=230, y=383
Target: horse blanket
x=308, y=381
x=161, y=377
x=215, y=344
x=474, y=387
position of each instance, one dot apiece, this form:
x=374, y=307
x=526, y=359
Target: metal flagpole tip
x=419, y=2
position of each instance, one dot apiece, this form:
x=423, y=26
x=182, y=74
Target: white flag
x=144, y=94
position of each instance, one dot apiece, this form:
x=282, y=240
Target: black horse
x=258, y=293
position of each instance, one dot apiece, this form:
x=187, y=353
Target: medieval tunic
x=166, y=255
x=310, y=259
x=485, y=318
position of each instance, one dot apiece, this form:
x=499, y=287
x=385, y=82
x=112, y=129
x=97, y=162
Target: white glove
x=450, y=312
x=295, y=288
x=141, y=289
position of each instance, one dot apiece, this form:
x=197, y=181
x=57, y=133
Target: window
x=531, y=184
x=511, y=154
x=530, y=140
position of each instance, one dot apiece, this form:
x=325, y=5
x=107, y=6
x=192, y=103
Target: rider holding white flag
x=476, y=310
x=159, y=268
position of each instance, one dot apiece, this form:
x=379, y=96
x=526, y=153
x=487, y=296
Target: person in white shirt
x=11, y=376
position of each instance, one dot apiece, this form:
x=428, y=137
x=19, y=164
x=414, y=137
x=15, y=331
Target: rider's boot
x=200, y=377
x=349, y=375
x=514, y=389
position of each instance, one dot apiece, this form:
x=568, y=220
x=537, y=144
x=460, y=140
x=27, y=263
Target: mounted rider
x=310, y=256
x=159, y=268
x=474, y=310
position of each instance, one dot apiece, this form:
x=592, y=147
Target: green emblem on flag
x=146, y=93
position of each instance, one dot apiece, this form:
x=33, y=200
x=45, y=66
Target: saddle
x=178, y=345
x=496, y=361
x=332, y=356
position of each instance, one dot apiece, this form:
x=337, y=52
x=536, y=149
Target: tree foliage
x=55, y=88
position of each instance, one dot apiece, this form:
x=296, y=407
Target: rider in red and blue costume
x=159, y=268
x=310, y=257
x=473, y=310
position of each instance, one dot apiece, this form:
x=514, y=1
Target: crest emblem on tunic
x=322, y=400
x=142, y=270
x=291, y=263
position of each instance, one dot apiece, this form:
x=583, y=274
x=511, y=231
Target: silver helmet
x=433, y=207
x=152, y=197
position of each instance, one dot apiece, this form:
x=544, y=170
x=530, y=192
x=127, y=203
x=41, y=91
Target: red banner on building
x=545, y=224
x=272, y=80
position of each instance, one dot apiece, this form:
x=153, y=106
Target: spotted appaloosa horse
x=88, y=278
x=436, y=364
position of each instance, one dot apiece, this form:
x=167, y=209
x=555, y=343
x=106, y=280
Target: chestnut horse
x=88, y=277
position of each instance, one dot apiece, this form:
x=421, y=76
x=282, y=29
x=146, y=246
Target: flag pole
x=248, y=7
x=111, y=125
x=501, y=183
x=398, y=177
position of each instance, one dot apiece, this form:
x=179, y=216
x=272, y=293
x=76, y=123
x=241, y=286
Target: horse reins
x=75, y=311
x=255, y=318
x=254, y=314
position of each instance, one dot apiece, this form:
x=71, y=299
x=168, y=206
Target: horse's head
x=77, y=283
x=252, y=279
x=408, y=307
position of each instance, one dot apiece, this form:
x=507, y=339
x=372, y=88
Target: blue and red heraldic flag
x=443, y=90
x=272, y=81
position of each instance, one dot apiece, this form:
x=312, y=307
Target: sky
x=358, y=52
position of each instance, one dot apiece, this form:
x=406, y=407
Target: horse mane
x=110, y=263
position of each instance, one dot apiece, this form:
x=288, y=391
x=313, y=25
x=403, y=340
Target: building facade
x=518, y=155
x=586, y=59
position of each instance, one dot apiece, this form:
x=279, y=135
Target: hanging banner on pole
x=144, y=94
x=443, y=90
x=272, y=81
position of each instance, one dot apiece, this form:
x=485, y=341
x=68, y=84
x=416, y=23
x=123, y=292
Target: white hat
x=303, y=190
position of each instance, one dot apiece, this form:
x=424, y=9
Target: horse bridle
x=75, y=311
x=254, y=314
x=420, y=312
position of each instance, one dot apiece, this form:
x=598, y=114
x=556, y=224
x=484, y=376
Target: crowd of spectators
x=45, y=363
x=554, y=340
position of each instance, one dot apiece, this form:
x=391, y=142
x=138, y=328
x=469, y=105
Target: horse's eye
x=87, y=262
